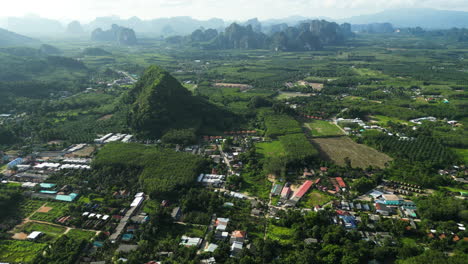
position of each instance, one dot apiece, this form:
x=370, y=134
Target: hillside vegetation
x=159, y=103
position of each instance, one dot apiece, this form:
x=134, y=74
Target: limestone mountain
x=120, y=35
x=74, y=28
x=159, y=103
x=240, y=37
x=308, y=35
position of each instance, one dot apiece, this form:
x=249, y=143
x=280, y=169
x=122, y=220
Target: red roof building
x=340, y=182
x=303, y=189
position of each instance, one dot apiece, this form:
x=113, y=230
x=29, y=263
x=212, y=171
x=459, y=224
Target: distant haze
x=87, y=10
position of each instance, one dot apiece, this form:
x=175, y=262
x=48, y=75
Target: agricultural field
x=278, y=125
x=338, y=148
x=313, y=198
x=320, y=128
x=51, y=211
x=14, y=251
x=28, y=207
x=270, y=149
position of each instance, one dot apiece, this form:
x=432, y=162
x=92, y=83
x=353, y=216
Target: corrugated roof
x=340, y=182
x=303, y=189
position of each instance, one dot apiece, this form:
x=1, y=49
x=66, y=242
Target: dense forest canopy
x=159, y=171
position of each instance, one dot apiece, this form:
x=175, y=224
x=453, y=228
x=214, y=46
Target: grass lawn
x=78, y=234
x=336, y=149
x=59, y=209
x=314, y=198
x=270, y=149
x=322, y=128
x=383, y=120
x=195, y=231
x=463, y=153
x=15, y=251
x=282, y=234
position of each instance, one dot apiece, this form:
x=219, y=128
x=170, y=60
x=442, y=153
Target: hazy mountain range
x=35, y=26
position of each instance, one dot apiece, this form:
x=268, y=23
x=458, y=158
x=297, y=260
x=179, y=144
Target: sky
x=87, y=10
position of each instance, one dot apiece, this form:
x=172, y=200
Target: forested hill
x=8, y=38
x=159, y=103
x=308, y=35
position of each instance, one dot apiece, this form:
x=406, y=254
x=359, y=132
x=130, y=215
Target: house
x=340, y=182
x=221, y=235
x=121, y=194
x=34, y=235
x=256, y=212
x=221, y=224
x=236, y=248
x=383, y=209
x=238, y=236
x=285, y=192
x=176, y=213
x=190, y=241
x=349, y=221
x=392, y=199
x=126, y=248
x=309, y=241
x=211, y=248
x=276, y=190
x=211, y=260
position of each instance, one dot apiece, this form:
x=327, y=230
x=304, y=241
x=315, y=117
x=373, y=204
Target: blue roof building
x=47, y=185
x=66, y=198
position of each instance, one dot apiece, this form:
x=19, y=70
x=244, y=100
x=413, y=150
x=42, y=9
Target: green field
x=383, y=120
x=283, y=235
x=270, y=149
x=338, y=148
x=314, y=198
x=321, y=128
x=78, y=234
x=14, y=251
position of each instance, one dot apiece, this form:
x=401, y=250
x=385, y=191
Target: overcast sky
x=87, y=10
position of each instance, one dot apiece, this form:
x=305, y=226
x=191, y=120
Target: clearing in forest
x=320, y=128
x=336, y=149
